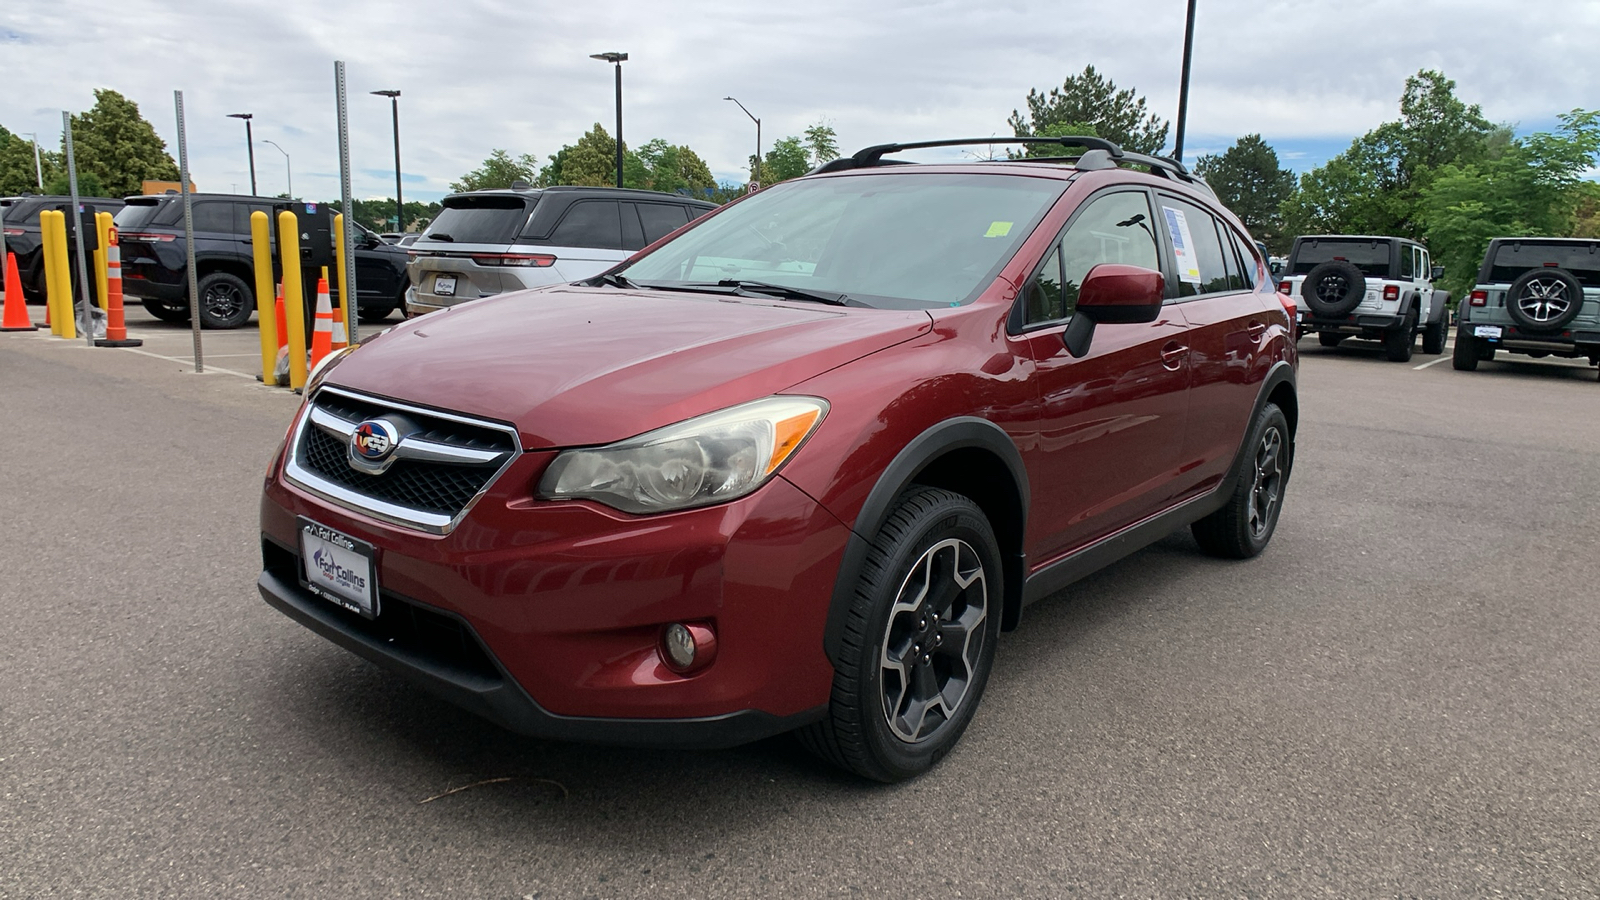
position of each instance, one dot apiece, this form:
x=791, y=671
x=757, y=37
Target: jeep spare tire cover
x=1334, y=288
x=1544, y=299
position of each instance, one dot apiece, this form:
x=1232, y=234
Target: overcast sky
x=478, y=75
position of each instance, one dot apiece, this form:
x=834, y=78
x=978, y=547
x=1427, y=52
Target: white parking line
x=186, y=360
x=1427, y=364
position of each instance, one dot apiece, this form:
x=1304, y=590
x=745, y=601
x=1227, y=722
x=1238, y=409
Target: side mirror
x=1113, y=294
x=1438, y=273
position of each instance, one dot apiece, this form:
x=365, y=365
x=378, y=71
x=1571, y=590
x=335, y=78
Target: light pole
x=38, y=170
x=250, y=145
x=617, y=59
x=287, y=170
x=756, y=172
x=1183, y=86
x=399, y=204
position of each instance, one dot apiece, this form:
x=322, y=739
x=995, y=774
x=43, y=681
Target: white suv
x=489, y=242
x=1370, y=287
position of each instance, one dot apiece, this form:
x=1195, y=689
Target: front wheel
x=1464, y=358
x=166, y=312
x=1244, y=525
x=1329, y=338
x=918, y=642
x=1433, y=337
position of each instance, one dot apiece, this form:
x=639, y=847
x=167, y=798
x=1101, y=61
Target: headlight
x=705, y=460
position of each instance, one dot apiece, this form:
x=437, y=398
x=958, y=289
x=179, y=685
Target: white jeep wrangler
x=1371, y=287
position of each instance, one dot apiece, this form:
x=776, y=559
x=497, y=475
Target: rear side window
x=137, y=214
x=24, y=212
x=590, y=223
x=1371, y=257
x=1408, y=263
x=1197, y=250
x=661, y=219
x=488, y=219
x=241, y=216
x=217, y=217
x=1511, y=259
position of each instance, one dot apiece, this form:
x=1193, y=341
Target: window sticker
x=998, y=229
x=1182, y=245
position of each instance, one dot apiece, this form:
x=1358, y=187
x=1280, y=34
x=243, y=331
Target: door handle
x=1256, y=329
x=1172, y=356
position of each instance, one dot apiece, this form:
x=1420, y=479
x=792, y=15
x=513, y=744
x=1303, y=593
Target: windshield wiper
x=441, y=236
x=615, y=279
x=746, y=288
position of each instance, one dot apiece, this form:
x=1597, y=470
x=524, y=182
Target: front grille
x=440, y=463
x=431, y=487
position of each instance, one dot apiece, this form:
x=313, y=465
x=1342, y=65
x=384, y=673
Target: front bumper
x=545, y=617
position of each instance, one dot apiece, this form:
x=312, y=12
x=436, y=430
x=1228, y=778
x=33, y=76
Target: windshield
x=903, y=240
x=1511, y=259
x=137, y=214
x=1370, y=256
x=480, y=219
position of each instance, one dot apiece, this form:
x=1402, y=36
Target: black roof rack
x=1099, y=153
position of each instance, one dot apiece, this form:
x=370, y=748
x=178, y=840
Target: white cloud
x=477, y=75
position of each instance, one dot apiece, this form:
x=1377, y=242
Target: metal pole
x=250, y=144
x=1183, y=87
x=619, y=124
x=347, y=301
x=77, y=231
x=758, y=151
x=188, y=232
x=399, y=202
x=38, y=170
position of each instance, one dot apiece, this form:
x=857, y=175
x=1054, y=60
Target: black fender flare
x=1281, y=373
x=951, y=434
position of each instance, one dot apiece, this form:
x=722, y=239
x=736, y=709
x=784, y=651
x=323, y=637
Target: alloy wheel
x=934, y=640
x=1268, y=485
x=223, y=301
x=1544, y=299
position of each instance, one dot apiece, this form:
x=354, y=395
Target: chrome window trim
x=428, y=451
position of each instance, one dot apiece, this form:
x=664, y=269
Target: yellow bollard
x=294, y=302
x=68, y=309
x=52, y=290
x=347, y=308
x=266, y=315
x=102, y=225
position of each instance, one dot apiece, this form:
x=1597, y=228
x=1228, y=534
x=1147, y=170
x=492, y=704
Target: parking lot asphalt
x=1398, y=698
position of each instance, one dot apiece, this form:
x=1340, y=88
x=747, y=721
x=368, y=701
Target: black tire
x=1398, y=342
x=166, y=312
x=1244, y=525
x=1329, y=338
x=373, y=314
x=1464, y=358
x=1433, y=338
x=1544, y=299
x=895, y=611
x=1334, y=288
x=225, y=301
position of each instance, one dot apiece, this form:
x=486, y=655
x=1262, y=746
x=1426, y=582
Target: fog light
x=686, y=648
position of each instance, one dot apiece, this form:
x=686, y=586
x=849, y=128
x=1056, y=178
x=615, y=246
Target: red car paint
x=569, y=597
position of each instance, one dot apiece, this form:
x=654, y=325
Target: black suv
x=21, y=215
x=155, y=270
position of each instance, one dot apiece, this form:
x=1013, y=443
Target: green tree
x=17, y=173
x=592, y=161
x=673, y=168
x=787, y=159
x=822, y=142
x=1535, y=187
x=1091, y=99
x=113, y=142
x=1249, y=181
x=498, y=171
x=1375, y=186
x=89, y=185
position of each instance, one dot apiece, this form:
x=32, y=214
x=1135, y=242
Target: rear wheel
x=918, y=641
x=1397, y=343
x=225, y=301
x=1465, y=356
x=1243, y=526
x=1433, y=337
x=1329, y=338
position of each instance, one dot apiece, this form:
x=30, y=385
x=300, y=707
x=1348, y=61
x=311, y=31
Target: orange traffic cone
x=283, y=319
x=322, y=331
x=341, y=339
x=15, y=317
x=116, y=326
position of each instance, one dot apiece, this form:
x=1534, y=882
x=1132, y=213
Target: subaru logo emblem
x=373, y=440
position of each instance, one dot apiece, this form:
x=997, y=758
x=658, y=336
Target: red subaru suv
x=795, y=466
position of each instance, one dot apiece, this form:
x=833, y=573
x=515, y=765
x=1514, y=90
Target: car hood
x=573, y=366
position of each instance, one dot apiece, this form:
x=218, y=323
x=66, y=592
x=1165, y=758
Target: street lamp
x=399, y=204
x=756, y=173
x=617, y=59
x=287, y=171
x=38, y=170
x=249, y=145
x=1183, y=86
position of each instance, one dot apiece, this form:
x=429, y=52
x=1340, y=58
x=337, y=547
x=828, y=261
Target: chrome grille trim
x=410, y=448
